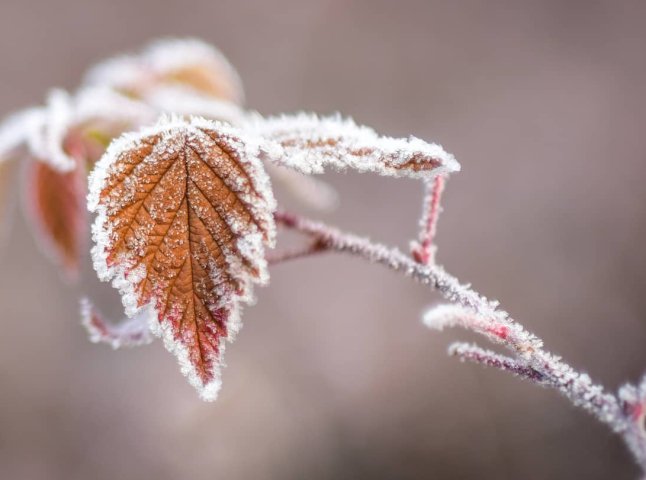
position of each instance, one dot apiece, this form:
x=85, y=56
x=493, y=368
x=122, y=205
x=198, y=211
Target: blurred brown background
x=333, y=375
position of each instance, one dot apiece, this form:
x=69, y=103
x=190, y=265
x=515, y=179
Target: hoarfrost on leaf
x=184, y=213
x=312, y=143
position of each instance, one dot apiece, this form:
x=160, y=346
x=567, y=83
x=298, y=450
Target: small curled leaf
x=185, y=211
x=312, y=143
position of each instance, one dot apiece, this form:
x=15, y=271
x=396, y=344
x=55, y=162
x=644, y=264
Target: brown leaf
x=184, y=213
x=56, y=208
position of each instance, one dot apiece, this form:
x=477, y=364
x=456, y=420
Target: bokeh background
x=333, y=375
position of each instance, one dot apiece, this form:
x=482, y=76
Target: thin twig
x=473, y=353
x=312, y=248
x=424, y=249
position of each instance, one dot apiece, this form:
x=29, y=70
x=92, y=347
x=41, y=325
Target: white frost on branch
x=477, y=313
x=530, y=360
x=473, y=353
x=633, y=403
x=312, y=143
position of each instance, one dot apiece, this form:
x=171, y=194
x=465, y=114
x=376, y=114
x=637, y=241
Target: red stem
x=423, y=251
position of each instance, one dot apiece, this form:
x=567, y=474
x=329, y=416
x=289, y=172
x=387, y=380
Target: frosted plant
x=184, y=215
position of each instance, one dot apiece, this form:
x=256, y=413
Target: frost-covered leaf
x=185, y=211
x=56, y=208
x=189, y=63
x=129, y=332
x=312, y=143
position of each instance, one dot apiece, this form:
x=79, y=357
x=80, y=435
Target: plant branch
x=312, y=248
x=475, y=312
x=424, y=249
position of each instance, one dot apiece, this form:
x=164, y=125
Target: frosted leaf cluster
x=105, y=103
x=185, y=211
x=71, y=131
x=194, y=84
